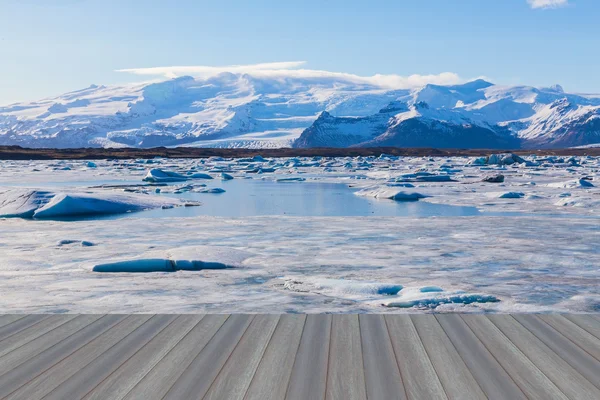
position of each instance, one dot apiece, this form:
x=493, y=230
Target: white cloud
x=282, y=70
x=548, y=3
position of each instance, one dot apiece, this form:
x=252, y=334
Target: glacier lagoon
x=316, y=234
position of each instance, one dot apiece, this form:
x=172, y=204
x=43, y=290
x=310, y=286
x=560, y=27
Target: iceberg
x=158, y=175
x=387, y=193
x=573, y=184
x=512, y=195
x=190, y=258
x=27, y=203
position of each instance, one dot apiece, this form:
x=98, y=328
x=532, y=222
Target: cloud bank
x=292, y=69
x=548, y=3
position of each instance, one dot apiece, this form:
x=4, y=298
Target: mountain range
x=242, y=110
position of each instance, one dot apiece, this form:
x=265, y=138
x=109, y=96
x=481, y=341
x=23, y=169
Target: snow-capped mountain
x=477, y=114
x=243, y=110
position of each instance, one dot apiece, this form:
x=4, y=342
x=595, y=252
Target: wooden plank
x=572, y=331
x=124, y=378
x=93, y=326
x=309, y=374
x=20, y=324
x=585, y=364
x=530, y=379
x=273, y=374
x=159, y=380
x=591, y=325
x=44, y=383
x=382, y=375
x=490, y=375
x=457, y=380
x=567, y=379
x=346, y=377
x=419, y=377
x=197, y=378
x=6, y=319
x=235, y=376
x=33, y=332
x=22, y=354
x=95, y=372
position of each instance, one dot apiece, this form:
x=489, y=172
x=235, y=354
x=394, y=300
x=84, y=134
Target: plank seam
x=229, y=356
x=37, y=337
x=197, y=355
x=26, y=327
x=100, y=355
x=133, y=355
x=287, y=389
x=519, y=350
x=362, y=357
x=429, y=358
x=558, y=355
x=328, y=357
x=152, y=369
x=387, y=328
x=582, y=327
x=494, y=356
x=68, y=355
x=20, y=317
x=262, y=357
x=566, y=337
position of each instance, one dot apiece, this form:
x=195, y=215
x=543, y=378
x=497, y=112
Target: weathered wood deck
x=299, y=357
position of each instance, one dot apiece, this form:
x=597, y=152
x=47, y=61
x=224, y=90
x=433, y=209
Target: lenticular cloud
x=291, y=69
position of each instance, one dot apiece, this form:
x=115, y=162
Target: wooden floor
x=300, y=357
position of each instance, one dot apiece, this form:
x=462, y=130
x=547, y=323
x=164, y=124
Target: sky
x=48, y=47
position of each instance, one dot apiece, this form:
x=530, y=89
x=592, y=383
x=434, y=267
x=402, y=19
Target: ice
x=225, y=176
x=340, y=286
x=158, y=175
x=211, y=190
x=573, y=184
x=25, y=203
x=387, y=193
x=512, y=195
x=499, y=159
x=67, y=242
x=435, y=301
x=429, y=289
x=499, y=178
x=291, y=179
x=191, y=258
x=200, y=175
x=338, y=262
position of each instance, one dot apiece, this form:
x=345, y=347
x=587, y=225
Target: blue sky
x=48, y=47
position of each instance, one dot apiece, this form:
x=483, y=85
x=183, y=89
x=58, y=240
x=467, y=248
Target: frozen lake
x=300, y=235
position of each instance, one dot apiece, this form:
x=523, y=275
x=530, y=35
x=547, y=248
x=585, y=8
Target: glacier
x=241, y=110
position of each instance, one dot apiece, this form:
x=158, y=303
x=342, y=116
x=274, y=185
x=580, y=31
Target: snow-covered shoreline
x=529, y=264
